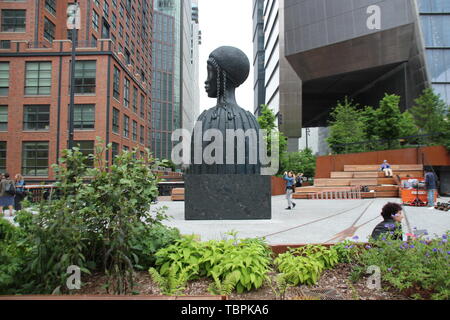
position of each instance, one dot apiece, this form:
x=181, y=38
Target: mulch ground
x=333, y=285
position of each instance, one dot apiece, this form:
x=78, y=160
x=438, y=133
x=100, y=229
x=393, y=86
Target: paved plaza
x=312, y=221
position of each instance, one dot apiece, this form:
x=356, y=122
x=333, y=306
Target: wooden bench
x=177, y=194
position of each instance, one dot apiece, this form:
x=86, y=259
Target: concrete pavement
x=312, y=221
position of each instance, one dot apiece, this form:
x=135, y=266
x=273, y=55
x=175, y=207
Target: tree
x=389, y=120
x=430, y=114
x=370, y=119
x=302, y=161
x=408, y=127
x=267, y=121
x=346, y=127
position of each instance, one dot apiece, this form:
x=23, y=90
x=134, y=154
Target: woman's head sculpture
x=228, y=68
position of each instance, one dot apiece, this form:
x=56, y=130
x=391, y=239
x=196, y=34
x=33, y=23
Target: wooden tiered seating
x=363, y=175
x=177, y=194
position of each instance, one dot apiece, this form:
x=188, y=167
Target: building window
x=85, y=72
x=142, y=111
x=49, y=30
x=5, y=44
x=114, y=3
x=126, y=126
x=97, y=3
x=38, y=78
x=3, y=118
x=120, y=30
x=106, y=8
x=105, y=29
x=121, y=10
x=135, y=99
x=142, y=135
x=116, y=83
x=4, y=78
x=126, y=93
x=50, y=5
x=84, y=116
x=87, y=149
x=36, y=117
x=114, y=151
x=115, y=121
x=35, y=159
x=95, y=20
x=127, y=55
x=125, y=148
x=13, y=20
x=135, y=126
x=114, y=21
x=2, y=156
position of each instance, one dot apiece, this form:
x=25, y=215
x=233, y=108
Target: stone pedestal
x=227, y=197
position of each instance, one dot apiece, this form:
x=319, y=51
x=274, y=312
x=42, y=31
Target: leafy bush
x=328, y=257
x=305, y=264
x=93, y=224
x=232, y=264
x=149, y=239
x=414, y=267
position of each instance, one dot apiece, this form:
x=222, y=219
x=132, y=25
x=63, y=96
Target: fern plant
x=173, y=284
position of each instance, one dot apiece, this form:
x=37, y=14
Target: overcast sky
x=226, y=23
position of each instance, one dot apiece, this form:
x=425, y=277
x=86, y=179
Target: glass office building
x=163, y=84
x=435, y=22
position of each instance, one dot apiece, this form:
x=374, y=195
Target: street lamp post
x=73, y=23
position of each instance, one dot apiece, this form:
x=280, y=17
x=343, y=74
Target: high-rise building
x=276, y=83
x=360, y=49
x=435, y=22
x=112, y=80
x=185, y=106
x=163, y=84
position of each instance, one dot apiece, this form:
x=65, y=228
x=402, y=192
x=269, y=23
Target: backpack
x=10, y=189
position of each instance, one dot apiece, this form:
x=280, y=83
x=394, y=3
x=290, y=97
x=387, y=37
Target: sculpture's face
x=211, y=82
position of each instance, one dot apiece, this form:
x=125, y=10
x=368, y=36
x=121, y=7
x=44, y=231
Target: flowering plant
x=419, y=267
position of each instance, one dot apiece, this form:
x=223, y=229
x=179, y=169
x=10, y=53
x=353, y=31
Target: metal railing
x=350, y=194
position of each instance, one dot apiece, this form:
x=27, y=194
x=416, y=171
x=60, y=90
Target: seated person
x=392, y=214
x=386, y=168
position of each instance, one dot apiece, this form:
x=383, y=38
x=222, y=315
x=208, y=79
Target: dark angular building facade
x=336, y=52
x=356, y=48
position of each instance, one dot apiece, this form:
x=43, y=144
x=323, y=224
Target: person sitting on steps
x=386, y=168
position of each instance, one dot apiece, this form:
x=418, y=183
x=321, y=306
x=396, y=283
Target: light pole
x=73, y=23
x=307, y=134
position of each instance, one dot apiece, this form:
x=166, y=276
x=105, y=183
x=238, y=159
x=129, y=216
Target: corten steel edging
x=282, y=248
x=110, y=298
x=435, y=156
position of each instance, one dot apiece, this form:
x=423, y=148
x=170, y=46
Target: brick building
x=112, y=80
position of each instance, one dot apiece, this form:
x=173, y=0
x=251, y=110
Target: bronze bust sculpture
x=228, y=68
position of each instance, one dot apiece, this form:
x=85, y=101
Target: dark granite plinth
x=227, y=197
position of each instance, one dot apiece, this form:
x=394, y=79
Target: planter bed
x=333, y=285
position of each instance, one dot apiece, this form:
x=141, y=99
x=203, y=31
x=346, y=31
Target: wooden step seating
x=360, y=175
x=177, y=194
x=376, y=167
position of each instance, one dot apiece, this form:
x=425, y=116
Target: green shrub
x=328, y=257
x=232, y=264
x=149, y=239
x=93, y=224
